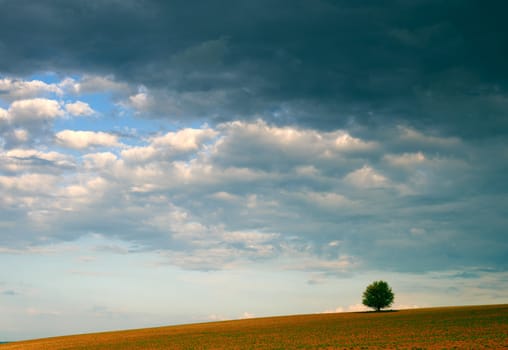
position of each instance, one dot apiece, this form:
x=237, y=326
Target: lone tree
x=378, y=295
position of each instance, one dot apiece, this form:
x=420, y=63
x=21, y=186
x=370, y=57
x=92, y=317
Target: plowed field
x=471, y=327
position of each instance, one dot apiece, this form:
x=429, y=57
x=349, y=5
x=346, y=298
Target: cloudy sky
x=164, y=162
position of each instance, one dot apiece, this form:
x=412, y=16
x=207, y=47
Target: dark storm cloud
x=323, y=64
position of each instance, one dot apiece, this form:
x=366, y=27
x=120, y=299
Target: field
x=468, y=327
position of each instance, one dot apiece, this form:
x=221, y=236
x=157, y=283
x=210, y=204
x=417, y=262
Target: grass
x=466, y=327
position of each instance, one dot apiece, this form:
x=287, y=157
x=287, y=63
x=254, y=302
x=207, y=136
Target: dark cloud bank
x=324, y=64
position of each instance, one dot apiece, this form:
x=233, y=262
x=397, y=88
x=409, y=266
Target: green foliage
x=378, y=295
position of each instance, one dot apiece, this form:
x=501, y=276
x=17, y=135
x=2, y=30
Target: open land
x=465, y=327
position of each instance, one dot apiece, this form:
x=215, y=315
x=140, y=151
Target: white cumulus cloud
x=34, y=109
x=14, y=89
x=184, y=140
x=84, y=139
x=79, y=108
x=366, y=177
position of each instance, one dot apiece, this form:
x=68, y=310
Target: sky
x=163, y=162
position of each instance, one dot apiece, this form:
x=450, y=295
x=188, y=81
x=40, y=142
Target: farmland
x=478, y=327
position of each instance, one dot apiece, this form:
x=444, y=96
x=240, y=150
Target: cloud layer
x=216, y=197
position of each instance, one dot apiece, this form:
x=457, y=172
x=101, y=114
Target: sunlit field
x=435, y=328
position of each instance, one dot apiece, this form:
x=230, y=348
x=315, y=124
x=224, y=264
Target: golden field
x=465, y=327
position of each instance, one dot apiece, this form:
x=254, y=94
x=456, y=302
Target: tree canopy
x=378, y=295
